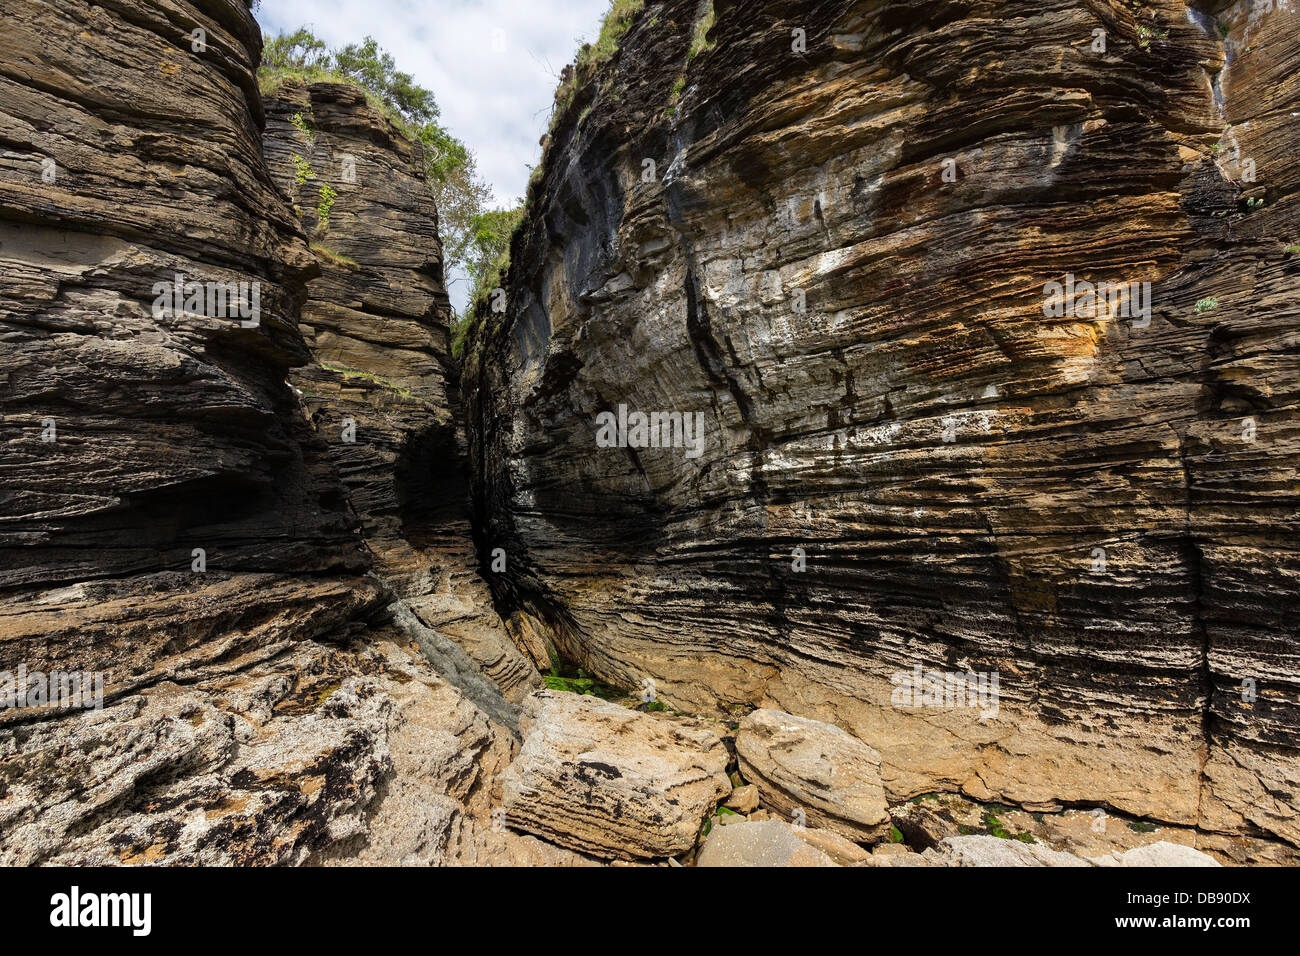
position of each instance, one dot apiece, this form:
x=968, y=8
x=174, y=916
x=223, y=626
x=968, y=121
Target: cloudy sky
x=492, y=64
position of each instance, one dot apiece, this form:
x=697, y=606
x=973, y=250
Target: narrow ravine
x=783, y=500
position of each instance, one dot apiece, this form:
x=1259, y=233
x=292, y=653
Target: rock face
x=169, y=518
x=828, y=233
x=769, y=843
x=376, y=321
x=177, y=427
x=806, y=765
x=605, y=780
x=1158, y=854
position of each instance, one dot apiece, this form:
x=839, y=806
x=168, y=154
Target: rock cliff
x=380, y=393
x=918, y=512
x=172, y=524
x=829, y=231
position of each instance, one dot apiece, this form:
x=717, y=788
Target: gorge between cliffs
x=875, y=445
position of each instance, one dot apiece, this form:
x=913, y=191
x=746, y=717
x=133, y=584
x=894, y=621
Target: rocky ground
x=263, y=535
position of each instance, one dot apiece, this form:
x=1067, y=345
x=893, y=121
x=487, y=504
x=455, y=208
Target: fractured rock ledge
x=608, y=781
x=805, y=765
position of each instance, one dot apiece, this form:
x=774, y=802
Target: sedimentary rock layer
x=169, y=518
x=603, y=779
x=831, y=229
x=377, y=321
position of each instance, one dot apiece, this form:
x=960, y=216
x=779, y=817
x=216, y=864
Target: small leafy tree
x=449, y=166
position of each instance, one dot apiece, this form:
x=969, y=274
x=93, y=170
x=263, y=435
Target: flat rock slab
x=1163, y=853
x=995, y=851
x=611, y=782
x=767, y=843
x=808, y=765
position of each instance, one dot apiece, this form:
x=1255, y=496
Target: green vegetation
x=488, y=247
x=302, y=170
x=579, y=682
x=700, y=42
x=487, y=260
x=995, y=825
x=1206, y=304
x=618, y=20
x=326, y=204
x=379, y=380
x=325, y=252
x=1255, y=203
x=895, y=835
x=450, y=168
x=1146, y=35
x=303, y=127
x=1141, y=826
x=1291, y=249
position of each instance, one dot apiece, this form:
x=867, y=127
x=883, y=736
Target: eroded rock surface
x=611, y=782
x=805, y=765
x=170, y=519
x=379, y=393
x=906, y=462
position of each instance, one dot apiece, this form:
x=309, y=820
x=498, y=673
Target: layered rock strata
x=172, y=527
x=830, y=230
x=379, y=393
x=608, y=781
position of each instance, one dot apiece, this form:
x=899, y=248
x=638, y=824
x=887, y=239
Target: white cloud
x=492, y=64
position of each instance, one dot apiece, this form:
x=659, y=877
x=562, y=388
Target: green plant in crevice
x=303, y=127
x=349, y=373
x=324, y=207
x=1146, y=35
x=1206, y=304
x=302, y=170
x=699, y=40
x=1290, y=250
x=994, y=825
x=325, y=252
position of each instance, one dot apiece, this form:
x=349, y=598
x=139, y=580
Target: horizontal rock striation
x=605, y=780
x=376, y=321
x=830, y=231
x=171, y=524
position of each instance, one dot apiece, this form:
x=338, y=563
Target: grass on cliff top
x=591, y=56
